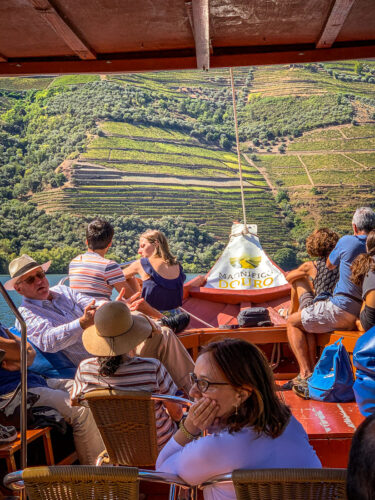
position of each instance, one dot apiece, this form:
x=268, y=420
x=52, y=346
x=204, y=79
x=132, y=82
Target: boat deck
x=330, y=426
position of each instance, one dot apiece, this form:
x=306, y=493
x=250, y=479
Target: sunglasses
x=30, y=280
x=203, y=384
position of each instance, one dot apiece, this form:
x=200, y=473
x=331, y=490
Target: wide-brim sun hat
x=20, y=266
x=115, y=330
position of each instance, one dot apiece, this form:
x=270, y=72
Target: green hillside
x=156, y=145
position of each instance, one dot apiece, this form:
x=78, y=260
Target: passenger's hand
x=87, y=319
x=202, y=415
x=131, y=300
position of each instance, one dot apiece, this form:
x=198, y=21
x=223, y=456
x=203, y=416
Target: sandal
x=284, y=313
x=302, y=389
x=288, y=386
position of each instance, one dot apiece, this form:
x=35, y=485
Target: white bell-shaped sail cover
x=244, y=265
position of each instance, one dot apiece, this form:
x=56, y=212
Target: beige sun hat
x=20, y=266
x=115, y=331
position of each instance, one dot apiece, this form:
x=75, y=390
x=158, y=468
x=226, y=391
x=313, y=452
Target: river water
x=7, y=317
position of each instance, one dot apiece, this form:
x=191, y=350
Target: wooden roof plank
x=238, y=56
x=334, y=23
x=62, y=29
x=201, y=31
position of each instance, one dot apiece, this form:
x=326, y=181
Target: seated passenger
x=56, y=317
x=363, y=275
x=313, y=279
x=248, y=426
x=361, y=467
x=162, y=278
x=113, y=339
x=95, y=276
x=338, y=312
x=51, y=392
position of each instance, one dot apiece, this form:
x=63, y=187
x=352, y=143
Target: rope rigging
x=245, y=231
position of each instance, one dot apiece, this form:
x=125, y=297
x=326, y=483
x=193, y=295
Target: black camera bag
x=254, y=316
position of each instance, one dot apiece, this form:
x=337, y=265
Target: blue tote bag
x=332, y=379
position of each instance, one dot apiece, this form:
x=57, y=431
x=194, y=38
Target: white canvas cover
x=244, y=265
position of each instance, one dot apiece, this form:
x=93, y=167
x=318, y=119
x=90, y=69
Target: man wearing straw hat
x=57, y=316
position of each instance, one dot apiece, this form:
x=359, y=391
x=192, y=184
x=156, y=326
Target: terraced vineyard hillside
x=156, y=144
x=327, y=173
x=151, y=172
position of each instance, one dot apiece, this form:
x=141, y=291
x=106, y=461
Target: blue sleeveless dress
x=161, y=293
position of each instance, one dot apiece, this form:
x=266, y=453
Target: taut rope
x=238, y=151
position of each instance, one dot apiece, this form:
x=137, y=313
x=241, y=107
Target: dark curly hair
x=364, y=263
x=245, y=365
x=108, y=365
x=99, y=234
x=321, y=242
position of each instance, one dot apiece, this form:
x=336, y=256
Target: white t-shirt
x=222, y=453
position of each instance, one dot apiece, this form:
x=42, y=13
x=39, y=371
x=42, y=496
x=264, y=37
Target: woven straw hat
x=115, y=331
x=20, y=266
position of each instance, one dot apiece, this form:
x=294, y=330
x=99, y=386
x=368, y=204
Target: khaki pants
x=87, y=439
x=168, y=349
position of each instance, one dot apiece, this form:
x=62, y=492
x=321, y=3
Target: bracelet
x=185, y=432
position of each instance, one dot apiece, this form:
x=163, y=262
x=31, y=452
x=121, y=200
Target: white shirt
x=222, y=453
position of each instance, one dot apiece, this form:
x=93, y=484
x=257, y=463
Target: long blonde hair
x=162, y=249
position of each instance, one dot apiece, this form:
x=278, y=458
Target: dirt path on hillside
x=355, y=161
x=317, y=152
x=306, y=170
x=342, y=133
x=263, y=173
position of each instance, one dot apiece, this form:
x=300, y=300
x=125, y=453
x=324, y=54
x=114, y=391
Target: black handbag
x=254, y=316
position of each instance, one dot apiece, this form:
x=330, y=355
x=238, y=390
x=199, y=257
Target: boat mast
x=238, y=151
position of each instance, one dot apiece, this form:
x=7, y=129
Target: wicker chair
x=126, y=422
x=286, y=484
x=80, y=482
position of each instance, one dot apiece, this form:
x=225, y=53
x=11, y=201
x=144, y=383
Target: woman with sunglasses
x=247, y=426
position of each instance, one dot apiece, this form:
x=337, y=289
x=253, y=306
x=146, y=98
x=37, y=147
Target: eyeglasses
x=203, y=384
x=30, y=280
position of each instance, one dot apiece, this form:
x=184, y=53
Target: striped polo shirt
x=93, y=275
x=134, y=374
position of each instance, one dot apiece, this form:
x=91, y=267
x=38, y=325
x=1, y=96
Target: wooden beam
x=199, y=17
x=183, y=59
x=62, y=29
x=334, y=23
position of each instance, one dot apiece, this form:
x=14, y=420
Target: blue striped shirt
x=53, y=325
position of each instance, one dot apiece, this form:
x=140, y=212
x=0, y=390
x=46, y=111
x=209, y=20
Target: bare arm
x=133, y=269
x=12, y=348
x=370, y=299
x=305, y=270
x=174, y=410
x=330, y=265
x=129, y=289
x=369, y=302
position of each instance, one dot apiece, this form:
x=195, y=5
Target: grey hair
x=364, y=219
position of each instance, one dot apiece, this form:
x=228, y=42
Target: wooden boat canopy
x=108, y=36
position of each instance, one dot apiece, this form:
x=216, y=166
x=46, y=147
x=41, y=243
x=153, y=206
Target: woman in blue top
x=162, y=275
